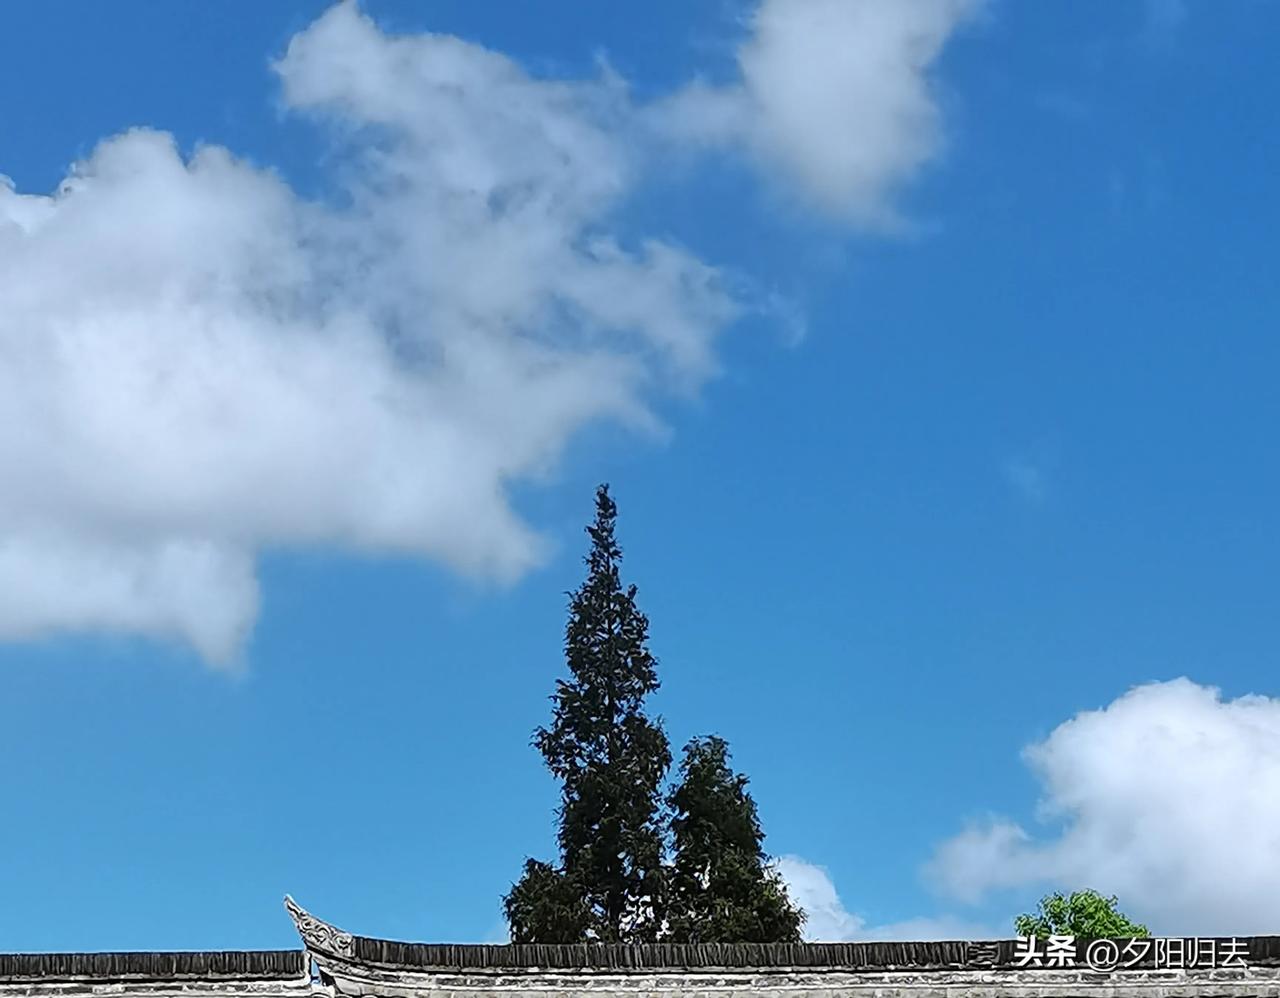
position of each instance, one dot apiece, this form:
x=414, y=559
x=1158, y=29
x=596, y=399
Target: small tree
x=722, y=888
x=1086, y=914
x=611, y=760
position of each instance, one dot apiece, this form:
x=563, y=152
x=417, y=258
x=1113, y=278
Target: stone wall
x=351, y=980
x=250, y=974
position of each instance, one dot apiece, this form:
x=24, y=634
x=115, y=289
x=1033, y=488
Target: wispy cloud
x=828, y=920
x=1162, y=20
x=1027, y=479
x=834, y=97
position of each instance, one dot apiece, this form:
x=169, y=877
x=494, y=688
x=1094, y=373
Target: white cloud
x=827, y=919
x=197, y=363
x=833, y=95
x=1169, y=797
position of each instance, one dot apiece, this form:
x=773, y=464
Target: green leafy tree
x=1086, y=914
x=611, y=760
x=722, y=888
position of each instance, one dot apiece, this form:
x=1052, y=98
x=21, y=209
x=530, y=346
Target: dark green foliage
x=545, y=905
x=612, y=884
x=611, y=760
x=722, y=889
x=1086, y=914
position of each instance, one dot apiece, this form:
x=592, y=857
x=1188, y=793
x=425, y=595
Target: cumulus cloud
x=827, y=920
x=1168, y=797
x=835, y=96
x=197, y=363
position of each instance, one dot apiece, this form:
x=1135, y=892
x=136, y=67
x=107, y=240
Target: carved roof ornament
x=318, y=936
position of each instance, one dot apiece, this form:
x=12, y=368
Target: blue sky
x=941, y=421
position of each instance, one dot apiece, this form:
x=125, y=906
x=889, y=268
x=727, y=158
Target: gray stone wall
x=342, y=980
x=214, y=974
x=186, y=988
x=351, y=980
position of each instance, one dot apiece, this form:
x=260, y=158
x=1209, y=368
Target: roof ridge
x=171, y=964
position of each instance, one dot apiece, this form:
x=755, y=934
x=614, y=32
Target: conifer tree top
x=611, y=759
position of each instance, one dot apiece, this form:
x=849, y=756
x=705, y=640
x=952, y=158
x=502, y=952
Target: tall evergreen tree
x=722, y=887
x=611, y=760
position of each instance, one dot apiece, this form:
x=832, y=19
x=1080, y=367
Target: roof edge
x=274, y=965
x=330, y=943
x=318, y=935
